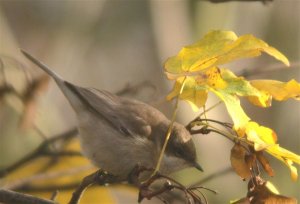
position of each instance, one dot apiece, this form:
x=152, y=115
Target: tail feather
x=72, y=97
x=42, y=66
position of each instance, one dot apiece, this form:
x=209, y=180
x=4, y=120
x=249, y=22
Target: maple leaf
x=196, y=71
x=278, y=90
x=217, y=48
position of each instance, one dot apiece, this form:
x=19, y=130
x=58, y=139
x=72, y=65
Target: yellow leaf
x=241, y=87
x=265, y=139
x=236, y=112
x=261, y=136
x=279, y=90
x=47, y=173
x=201, y=55
x=272, y=187
x=217, y=48
x=287, y=157
x=195, y=95
x=211, y=78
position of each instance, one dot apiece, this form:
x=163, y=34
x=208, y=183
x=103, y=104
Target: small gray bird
x=117, y=133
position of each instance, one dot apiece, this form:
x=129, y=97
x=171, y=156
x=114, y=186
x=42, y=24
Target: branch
x=270, y=69
x=222, y=172
x=41, y=149
x=12, y=197
x=133, y=89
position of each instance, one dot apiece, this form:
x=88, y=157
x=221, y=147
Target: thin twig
x=133, y=89
x=212, y=176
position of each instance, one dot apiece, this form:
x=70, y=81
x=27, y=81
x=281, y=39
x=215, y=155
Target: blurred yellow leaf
x=63, y=173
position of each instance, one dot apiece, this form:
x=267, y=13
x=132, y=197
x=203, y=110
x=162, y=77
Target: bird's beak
x=197, y=166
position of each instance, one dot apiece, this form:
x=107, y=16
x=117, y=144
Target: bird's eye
x=178, y=153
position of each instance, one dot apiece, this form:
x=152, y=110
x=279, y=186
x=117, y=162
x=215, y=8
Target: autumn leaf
x=278, y=90
x=238, y=161
x=217, y=48
x=196, y=71
x=264, y=162
x=263, y=194
x=195, y=95
x=265, y=138
x=63, y=173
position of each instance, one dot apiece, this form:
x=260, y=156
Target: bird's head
x=180, y=152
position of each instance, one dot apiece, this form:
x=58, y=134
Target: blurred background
x=117, y=44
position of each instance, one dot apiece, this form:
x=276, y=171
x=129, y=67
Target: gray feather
x=105, y=104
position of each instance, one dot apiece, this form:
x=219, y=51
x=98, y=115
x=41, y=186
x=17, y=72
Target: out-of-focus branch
x=269, y=69
x=41, y=150
x=133, y=89
x=25, y=182
x=220, y=173
x=12, y=197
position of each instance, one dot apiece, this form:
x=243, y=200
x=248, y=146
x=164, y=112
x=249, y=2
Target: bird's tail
x=68, y=89
x=56, y=77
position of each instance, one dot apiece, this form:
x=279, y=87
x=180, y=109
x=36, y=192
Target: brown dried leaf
x=238, y=161
x=265, y=163
x=36, y=88
x=262, y=195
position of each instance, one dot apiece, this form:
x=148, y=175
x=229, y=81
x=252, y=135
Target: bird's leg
x=133, y=177
x=144, y=187
x=145, y=190
x=99, y=177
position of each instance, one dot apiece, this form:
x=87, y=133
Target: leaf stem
x=169, y=130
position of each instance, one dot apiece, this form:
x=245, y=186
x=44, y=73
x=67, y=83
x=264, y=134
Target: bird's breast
x=112, y=151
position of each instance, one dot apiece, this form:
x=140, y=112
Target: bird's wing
x=110, y=108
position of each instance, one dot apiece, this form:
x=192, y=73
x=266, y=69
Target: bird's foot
x=148, y=190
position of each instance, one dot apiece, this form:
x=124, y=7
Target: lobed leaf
x=217, y=48
x=194, y=94
x=278, y=90
x=196, y=68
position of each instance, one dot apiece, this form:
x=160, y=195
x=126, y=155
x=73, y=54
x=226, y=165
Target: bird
x=117, y=133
